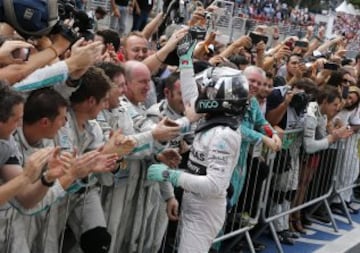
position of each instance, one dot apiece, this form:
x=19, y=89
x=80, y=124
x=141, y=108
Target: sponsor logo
x=208, y=104
x=198, y=155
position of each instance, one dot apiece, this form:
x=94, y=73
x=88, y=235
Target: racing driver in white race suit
x=213, y=157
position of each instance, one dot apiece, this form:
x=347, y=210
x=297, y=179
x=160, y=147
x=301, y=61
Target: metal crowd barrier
x=347, y=176
x=300, y=180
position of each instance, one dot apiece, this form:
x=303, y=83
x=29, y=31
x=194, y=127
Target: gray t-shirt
x=8, y=152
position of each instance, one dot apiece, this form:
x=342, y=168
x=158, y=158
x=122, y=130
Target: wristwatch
x=44, y=181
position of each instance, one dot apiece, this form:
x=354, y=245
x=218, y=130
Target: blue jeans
x=139, y=21
x=119, y=24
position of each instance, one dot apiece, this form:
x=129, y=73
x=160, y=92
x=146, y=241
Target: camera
x=331, y=66
x=84, y=24
x=208, y=15
x=300, y=43
x=299, y=102
x=197, y=33
x=256, y=38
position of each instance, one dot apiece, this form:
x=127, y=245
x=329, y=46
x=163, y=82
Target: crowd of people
x=136, y=143
x=349, y=26
x=275, y=11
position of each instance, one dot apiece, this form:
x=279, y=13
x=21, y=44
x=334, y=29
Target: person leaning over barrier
x=316, y=136
x=349, y=115
x=286, y=107
x=253, y=119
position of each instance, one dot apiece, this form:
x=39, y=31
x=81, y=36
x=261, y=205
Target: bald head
x=138, y=78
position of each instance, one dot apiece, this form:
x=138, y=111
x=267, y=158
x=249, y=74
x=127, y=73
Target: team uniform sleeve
x=54, y=194
x=52, y=75
x=312, y=145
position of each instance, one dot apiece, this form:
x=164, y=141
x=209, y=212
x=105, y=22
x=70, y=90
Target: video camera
x=84, y=24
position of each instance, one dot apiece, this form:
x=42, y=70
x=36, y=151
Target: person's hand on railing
x=339, y=133
x=280, y=131
x=277, y=141
x=342, y=132
x=270, y=143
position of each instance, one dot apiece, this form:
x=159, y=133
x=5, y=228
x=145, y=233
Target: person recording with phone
x=292, y=70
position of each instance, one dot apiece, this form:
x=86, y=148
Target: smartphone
x=21, y=53
x=300, y=43
x=256, y=38
x=290, y=45
x=317, y=54
x=331, y=66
